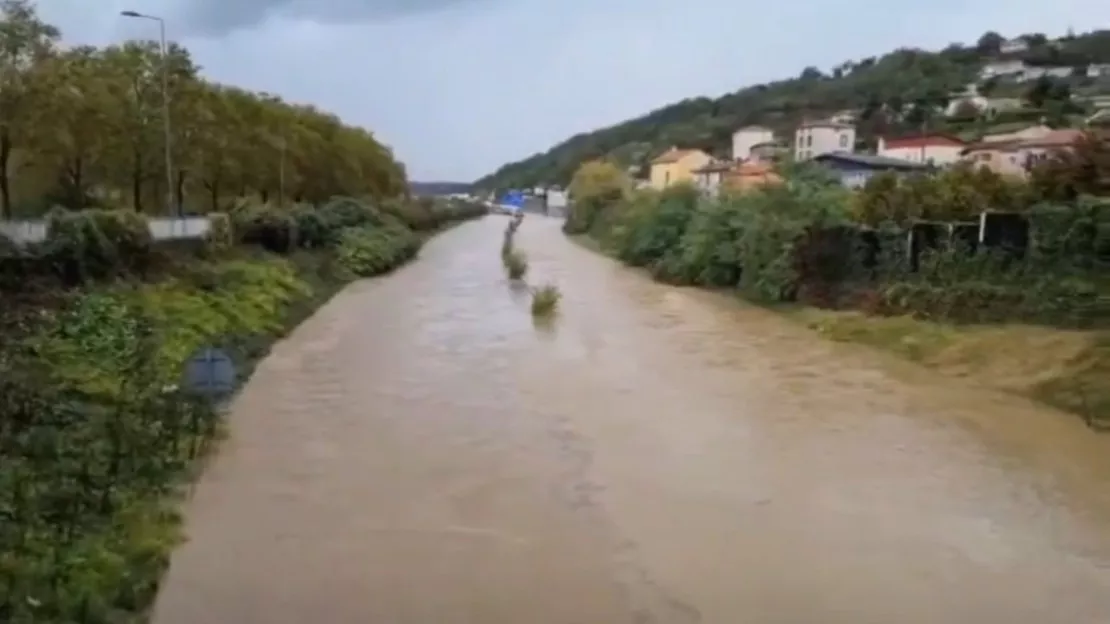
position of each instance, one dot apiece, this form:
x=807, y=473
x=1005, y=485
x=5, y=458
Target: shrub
x=221, y=235
x=345, y=212
x=95, y=244
x=312, y=228
x=268, y=227
x=516, y=264
x=545, y=300
x=370, y=251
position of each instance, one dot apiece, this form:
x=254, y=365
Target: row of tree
x=84, y=126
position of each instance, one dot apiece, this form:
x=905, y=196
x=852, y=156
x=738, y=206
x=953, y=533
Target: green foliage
x=368, y=251
x=595, y=185
x=960, y=193
x=89, y=117
x=221, y=234
x=95, y=439
x=516, y=264
x=545, y=300
x=267, y=226
x=97, y=243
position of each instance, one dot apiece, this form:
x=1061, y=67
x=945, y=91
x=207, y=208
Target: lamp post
x=165, y=103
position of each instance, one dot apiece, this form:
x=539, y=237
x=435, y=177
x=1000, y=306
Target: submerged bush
x=545, y=300
x=516, y=264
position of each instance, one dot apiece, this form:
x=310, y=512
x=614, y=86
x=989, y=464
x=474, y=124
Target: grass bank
x=96, y=436
x=1066, y=369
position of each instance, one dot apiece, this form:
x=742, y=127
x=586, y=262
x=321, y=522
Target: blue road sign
x=210, y=373
x=514, y=199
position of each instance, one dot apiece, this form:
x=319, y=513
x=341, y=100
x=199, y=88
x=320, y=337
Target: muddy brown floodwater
x=418, y=452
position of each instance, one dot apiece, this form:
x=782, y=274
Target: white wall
x=939, y=155
x=161, y=228
x=812, y=141
x=745, y=138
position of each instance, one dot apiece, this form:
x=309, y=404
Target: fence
x=161, y=228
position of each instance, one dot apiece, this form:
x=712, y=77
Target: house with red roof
x=939, y=150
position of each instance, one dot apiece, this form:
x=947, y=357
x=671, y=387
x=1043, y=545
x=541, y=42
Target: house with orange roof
x=1013, y=157
x=928, y=149
x=676, y=165
x=735, y=176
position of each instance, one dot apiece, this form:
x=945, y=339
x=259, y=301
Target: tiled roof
x=1056, y=138
x=673, y=155
x=928, y=140
x=870, y=160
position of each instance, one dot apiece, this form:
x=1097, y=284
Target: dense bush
x=95, y=438
x=803, y=241
x=368, y=251
x=267, y=226
x=221, y=234
x=93, y=244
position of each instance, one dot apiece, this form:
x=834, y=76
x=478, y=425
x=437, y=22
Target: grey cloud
x=219, y=17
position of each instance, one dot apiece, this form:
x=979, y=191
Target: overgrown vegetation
x=894, y=94
x=545, y=300
x=96, y=437
x=810, y=241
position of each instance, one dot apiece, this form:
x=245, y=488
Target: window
x=843, y=140
x=809, y=141
x=666, y=178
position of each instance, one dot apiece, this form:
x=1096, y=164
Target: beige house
x=675, y=166
x=930, y=149
x=813, y=139
x=1013, y=157
x=1025, y=134
x=746, y=138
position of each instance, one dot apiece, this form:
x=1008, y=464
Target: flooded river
x=418, y=452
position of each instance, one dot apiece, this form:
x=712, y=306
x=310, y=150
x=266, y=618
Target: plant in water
x=516, y=264
x=545, y=300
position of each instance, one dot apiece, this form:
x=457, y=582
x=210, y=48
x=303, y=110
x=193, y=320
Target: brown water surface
x=418, y=452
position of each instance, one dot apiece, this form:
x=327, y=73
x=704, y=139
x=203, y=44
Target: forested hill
x=439, y=188
x=901, y=91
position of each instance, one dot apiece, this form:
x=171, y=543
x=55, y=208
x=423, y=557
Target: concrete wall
x=161, y=228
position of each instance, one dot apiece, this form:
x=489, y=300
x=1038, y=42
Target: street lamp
x=165, y=102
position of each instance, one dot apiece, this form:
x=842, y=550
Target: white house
x=1014, y=46
x=997, y=69
x=986, y=106
x=939, y=150
x=744, y=139
x=814, y=138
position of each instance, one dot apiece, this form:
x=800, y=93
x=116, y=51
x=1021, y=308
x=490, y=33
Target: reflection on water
x=423, y=451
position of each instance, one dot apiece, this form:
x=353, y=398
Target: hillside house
x=930, y=149
x=709, y=177
x=1013, y=157
x=751, y=175
x=1017, y=45
x=854, y=170
x=768, y=152
x=675, y=166
x=812, y=139
x=1029, y=133
x=744, y=139
x=988, y=107
x=1001, y=68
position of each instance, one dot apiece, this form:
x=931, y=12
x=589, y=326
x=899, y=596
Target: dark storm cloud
x=219, y=17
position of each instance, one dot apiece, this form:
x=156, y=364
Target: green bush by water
x=545, y=300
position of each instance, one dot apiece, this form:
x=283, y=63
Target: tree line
x=83, y=127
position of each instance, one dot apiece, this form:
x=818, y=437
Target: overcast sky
x=459, y=87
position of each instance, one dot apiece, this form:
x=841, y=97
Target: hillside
x=439, y=188
x=899, y=92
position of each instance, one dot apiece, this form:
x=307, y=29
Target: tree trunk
x=5, y=179
x=137, y=183
x=179, y=191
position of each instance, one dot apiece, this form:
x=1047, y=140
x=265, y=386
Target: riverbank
x=96, y=436
x=1065, y=369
